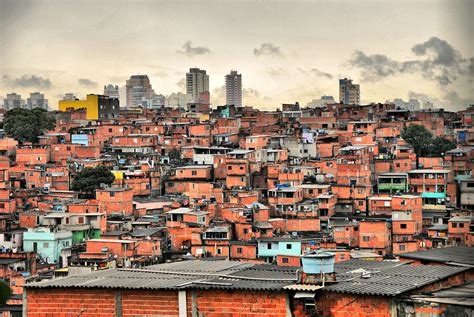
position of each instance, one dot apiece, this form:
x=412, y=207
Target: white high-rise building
x=111, y=91
x=233, y=88
x=197, y=82
x=13, y=100
x=37, y=100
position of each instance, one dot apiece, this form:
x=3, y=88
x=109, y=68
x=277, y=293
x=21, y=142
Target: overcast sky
x=287, y=51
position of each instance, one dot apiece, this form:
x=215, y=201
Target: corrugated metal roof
x=392, y=281
x=462, y=255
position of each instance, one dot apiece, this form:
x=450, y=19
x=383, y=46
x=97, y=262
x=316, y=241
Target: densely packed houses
x=258, y=187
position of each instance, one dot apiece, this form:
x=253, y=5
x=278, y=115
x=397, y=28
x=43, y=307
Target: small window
x=45, y=245
x=361, y=203
x=239, y=250
x=246, y=231
x=284, y=260
x=112, y=194
x=461, y=225
x=454, y=225
x=269, y=246
x=219, y=251
x=229, y=167
x=365, y=238
x=401, y=247
x=288, y=246
x=194, y=173
x=403, y=226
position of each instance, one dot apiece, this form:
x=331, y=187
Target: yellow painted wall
x=91, y=104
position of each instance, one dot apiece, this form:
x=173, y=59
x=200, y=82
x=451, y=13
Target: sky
x=287, y=51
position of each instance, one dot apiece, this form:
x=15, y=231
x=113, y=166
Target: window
x=194, y=173
x=241, y=168
x=45, y=245
x=80, y=220
x=454, y=225
x=68, y=148
x=239, y=250
x=269, y=246
x=461, y=225
x=401, y=247
x=229, y=167
x=112, y=194
x=365, y=238
x=246, y=231
x=342, y=256
x=219, y=251
x=361, y=203
x=284, y=260
x=403, y=226
x=288, y=246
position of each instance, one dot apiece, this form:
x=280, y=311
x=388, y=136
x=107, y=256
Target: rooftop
x=463, y=256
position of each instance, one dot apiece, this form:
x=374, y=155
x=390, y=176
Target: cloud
x=181, y=84
x=449, y=99
x=26, y=81
x=191, y=51
x=268, y=49
x=276, y=72
x=316, y=72
x=250, y=96
x=438, y=61
x=87, y=83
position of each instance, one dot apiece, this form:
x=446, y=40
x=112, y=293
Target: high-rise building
x=197, y=82
x=233, y=89
x=37, y=100
x=349, y=93
x=13, y=100
x=111, y=91
x=69, y=96
x=138, y=87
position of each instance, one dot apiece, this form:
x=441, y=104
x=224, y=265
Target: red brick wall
x=240, y=303
x=148, y=303
x=101, y=302
x=70, y=302
x=342, y=305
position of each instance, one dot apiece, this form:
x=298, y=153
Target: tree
x=440, y=146
x=5, y=292
x=89, y=179
x=26, y=125
x=419, y=137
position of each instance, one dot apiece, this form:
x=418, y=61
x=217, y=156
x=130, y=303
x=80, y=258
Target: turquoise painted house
x=47, y=243
x=270, y=248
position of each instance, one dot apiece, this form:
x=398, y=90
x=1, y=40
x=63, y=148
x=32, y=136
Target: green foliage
x=5, y=292
x=89, y=179
x=441, y=145
x=419, y=137
x=26, y=125
x=423, y=142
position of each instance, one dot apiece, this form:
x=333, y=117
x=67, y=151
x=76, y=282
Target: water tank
x=318, y=262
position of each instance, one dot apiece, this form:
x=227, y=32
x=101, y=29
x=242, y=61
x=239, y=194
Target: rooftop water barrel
x=318, y=262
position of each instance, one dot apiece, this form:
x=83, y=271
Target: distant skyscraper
x=233, y=88
x=37, y=100
x=138, y=87
x=13, y=100
x=197, y=82
x=349, y=93
x=69, y=96
x=111, y=91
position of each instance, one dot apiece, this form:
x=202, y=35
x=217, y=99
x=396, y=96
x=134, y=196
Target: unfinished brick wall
x=240, y=303
x=342, y=305
x=70, y=302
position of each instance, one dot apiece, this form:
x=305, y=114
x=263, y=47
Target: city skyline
x=287, y=52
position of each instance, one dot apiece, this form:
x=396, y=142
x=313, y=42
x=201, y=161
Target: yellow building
x=97, y=107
